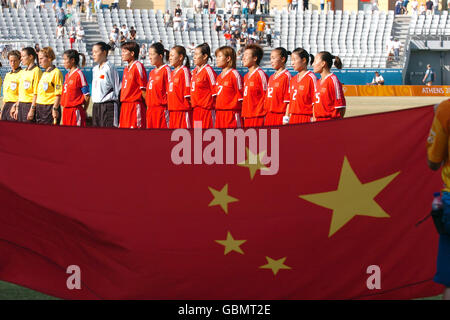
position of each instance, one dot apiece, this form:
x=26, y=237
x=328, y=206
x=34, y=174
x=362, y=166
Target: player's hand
x=55, y=114
x=13, y=112
x=30, y=114
x=286, y=119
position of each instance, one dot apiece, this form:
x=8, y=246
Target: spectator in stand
x=177, y=22
x=244, y=26
x=289, y=5
x=142, y=52
x=191, y=49
x=405, y=6
x=167, y=18
x=253, y=38
x=114, y=35
x=129, y=2
x=198, y=6
x=245, y=8
x=115, y=5
x=226, y=26
x=396, y=45
x=242, y=43
x=227, y=35
x=228, y=6
x=262, y=4
x=269, y=36
x=322, y=5
x=236, y=9
x=267, y=6
x=429, y=5
x=37, y=48
x=205, y=6
x=98, y=6
x=374, y=5
x=72, y=36
x=252, y=7
x=186, y=24
x=122, y=38
x=60, y=32
x=88, y=10
x=124, y=30
x=377, y=80
x=414, y=7
x=80, y=34
x=61, y=17
x=250, y=29
x=422, y=9
x=294, y=5
x=261, y=27
x=436, y=6
x=305, y=5
x=218, y=24
x=329, y=5
x=212, y=7
x=132, y=34
x=234, y=24
x=178, y=10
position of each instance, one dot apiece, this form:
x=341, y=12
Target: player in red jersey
x=157, y=88
x=330, y=101
x=255, y=87
x=180, y=110
x=75, y=94
x=302, y=89
x=277, y=96
x=229, y=90
x=202, y=87
x=132, y=95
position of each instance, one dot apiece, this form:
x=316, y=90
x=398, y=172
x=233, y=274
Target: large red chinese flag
x=338, y=220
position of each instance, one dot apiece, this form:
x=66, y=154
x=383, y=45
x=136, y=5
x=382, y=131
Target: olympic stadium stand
x=433, y=25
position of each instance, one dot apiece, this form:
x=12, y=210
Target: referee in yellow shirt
x=24, y=110
x=49, y=89
x=11, y=86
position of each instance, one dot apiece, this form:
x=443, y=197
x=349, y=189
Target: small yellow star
x=253, y=162
x=231, y=244
x=221, y=198
x=351, y=198
x=275, y=265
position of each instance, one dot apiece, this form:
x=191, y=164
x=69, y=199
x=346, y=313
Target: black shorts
x=24, y=108
x=105, y=114
x=5, y=112
x=44, y=114
x=218, y=28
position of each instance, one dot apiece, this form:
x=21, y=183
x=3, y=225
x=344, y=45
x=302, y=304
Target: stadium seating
x=430, y=24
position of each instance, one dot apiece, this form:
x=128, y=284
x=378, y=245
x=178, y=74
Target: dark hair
x=31, y=52
x=15, y=53
x=182, y=50
x=283, y=53
x=103, y=47
x=132, y=47
x=328, y=58
x=303, y=54
x=228, y=52
x=257, y=52
x=159, y=48
x=205, y=49
x=75, y=55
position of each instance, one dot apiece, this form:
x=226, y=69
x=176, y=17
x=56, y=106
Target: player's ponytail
x=328, y=58
x=31, y=52
x=103, y=46
x=83, y=63
x=159, y=49
x=303, y=54
x=205, y=49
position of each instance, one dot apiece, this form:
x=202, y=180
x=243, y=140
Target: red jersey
x=202, y=87
x=133, y=81
x=255, y=87
x=179, y=90
x=302, y=92
x=329, y=98
x=278, y=92
x=229, y=90
x=157, y=87
x=74, y=89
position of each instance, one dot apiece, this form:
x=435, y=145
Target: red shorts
x=228, y=119
x=132, y=115
x=206, y=116
x=157, y=117
x=73, y=116
x=180, y=119
x=274, y=119
x=253, y=122
x=323, y=119
x=299, y=118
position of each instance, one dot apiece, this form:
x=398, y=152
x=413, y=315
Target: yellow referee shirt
x=439, y=141
x=11, y=86
x=29, y=83
x=50, y=86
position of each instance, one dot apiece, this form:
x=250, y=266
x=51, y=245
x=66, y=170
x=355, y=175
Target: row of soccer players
x=173, y=99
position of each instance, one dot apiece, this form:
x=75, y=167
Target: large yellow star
x=231, y=244
x=275, y=265
x=221, y=198
x=352, y=198
x=253, y=162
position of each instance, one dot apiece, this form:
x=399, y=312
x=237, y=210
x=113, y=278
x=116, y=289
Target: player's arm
x=437, y=142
